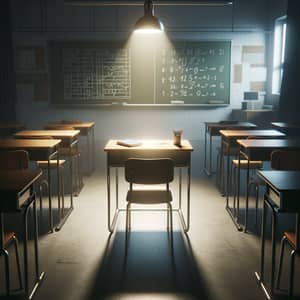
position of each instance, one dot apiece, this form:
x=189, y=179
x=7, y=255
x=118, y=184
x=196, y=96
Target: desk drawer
x=286, y=201
x=118, y=158
x=10, y=202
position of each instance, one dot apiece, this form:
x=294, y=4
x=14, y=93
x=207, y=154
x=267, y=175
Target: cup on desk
x=177, y=137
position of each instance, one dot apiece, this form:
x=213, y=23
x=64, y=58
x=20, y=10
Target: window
x=279, y=53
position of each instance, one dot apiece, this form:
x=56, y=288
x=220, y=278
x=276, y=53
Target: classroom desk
x=86, y=129
x=282, y=195
x=289, y=128
x=213, y=129
x=17, y=195
x=68, y=140
x=9, y=128
x=261, y=150
x=117, y=156
x=37, y=150
x=229, y=139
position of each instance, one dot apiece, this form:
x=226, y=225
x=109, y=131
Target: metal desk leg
x=273, y=249
x=247, y=195
x=185, y=224
x=64, y=217
x=235, y=215
x=38, y=276
x=50, y=196
x=210, y=154
x=58, y=186
x=205, y=145
x=180, y=186
x=260, y=277
x=93, y=148
x=111, y=224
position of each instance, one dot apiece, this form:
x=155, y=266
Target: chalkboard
x=182, y=73
x=194, y=73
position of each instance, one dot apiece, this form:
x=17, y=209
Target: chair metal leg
x=292, y=272
x=62, y=184
x=168, y=217
x=256, y=202
x=128, y=217
x=234, y=190
x=7, y=273
x=282, y=244
x=15, y=240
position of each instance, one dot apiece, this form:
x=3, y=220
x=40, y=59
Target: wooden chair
x=74, y=154
x=288, y=160
x=43, y=165
x=149, y=172
x=12, y=160
x=252, y=180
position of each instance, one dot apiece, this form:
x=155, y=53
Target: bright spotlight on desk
x=148, y=23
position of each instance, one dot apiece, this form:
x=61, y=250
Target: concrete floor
x=213, y=261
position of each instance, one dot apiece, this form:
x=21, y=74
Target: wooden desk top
x=270, y=143
x=17, y=182
x=214, y=128
x=61, y=134
x=78, y=126
x=237, y=124
x=254, y=132
x=282, y=180
x=28, y=144
x=150, y=145
x=286, y=125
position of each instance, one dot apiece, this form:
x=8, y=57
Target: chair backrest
x=149, y=171
x=285, y=160
x=14, y=160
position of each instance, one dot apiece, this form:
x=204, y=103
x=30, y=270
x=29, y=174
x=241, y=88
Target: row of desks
x=283, y=187
x=16, y=187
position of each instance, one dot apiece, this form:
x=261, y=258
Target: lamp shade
x=148, y=22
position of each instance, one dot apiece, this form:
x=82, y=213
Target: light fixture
x=148, y=23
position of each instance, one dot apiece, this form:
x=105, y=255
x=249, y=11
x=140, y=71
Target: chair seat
x=8, y=236
x=43, y=164
x=291, y=237
x=253, y=164
x=68, y=152
x=149, y=196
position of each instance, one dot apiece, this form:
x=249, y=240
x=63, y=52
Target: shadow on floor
x=148, y=268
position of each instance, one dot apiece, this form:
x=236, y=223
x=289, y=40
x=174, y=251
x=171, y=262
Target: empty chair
x=149, y=172
x=12, y=160
x=253, y=165
x=72, y=153
x=288, y=160
x=45, y=166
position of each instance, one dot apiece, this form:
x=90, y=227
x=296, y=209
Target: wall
x=36, y=22
x=7, y=74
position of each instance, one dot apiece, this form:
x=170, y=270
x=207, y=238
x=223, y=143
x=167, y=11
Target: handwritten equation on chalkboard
x=96, y=73
x=194, y=72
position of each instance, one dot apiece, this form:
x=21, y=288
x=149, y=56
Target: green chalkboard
x=108, y=72
x=193, y=73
